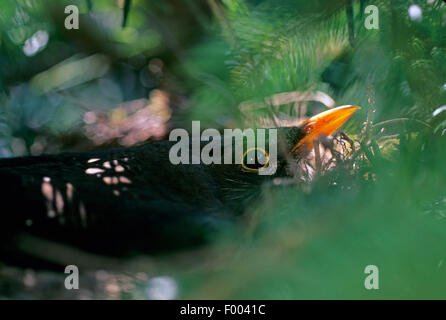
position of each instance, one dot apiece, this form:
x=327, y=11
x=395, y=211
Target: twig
x=217, y=10
x=317, y=156
x=282, y=98
x=127, y=4
x=386, y=122
x=89, y=5
x=370, y=111
x=351, y=25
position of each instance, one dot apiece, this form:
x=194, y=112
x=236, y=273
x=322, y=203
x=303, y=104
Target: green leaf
x=127, y=5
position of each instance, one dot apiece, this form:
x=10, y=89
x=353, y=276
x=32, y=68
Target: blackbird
x=134, y=199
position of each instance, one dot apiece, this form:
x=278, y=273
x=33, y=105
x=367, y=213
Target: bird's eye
x=255, y=159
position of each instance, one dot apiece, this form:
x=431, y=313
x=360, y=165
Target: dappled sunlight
x=119, y=168
x=107, y=165
x=70, y=190
x=161, y=288
x=83, y=214
x=48, y=193
x=110, y=165
x=59, y=202
x=94, y=171
x=36, y=43
x=125, y=180
x=132, y=122
x=438, y=111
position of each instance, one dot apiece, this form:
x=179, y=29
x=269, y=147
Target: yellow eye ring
x=255, y=149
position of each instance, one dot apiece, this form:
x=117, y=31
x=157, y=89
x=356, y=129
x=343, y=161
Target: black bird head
x=242, y=184
x=297, y=141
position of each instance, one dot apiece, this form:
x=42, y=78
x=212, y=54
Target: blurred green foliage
x=50, y=77
x=315, y=241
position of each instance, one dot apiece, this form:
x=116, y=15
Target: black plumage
x=126, y=200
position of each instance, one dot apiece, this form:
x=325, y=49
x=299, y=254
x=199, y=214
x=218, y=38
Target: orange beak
x=324, y=123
